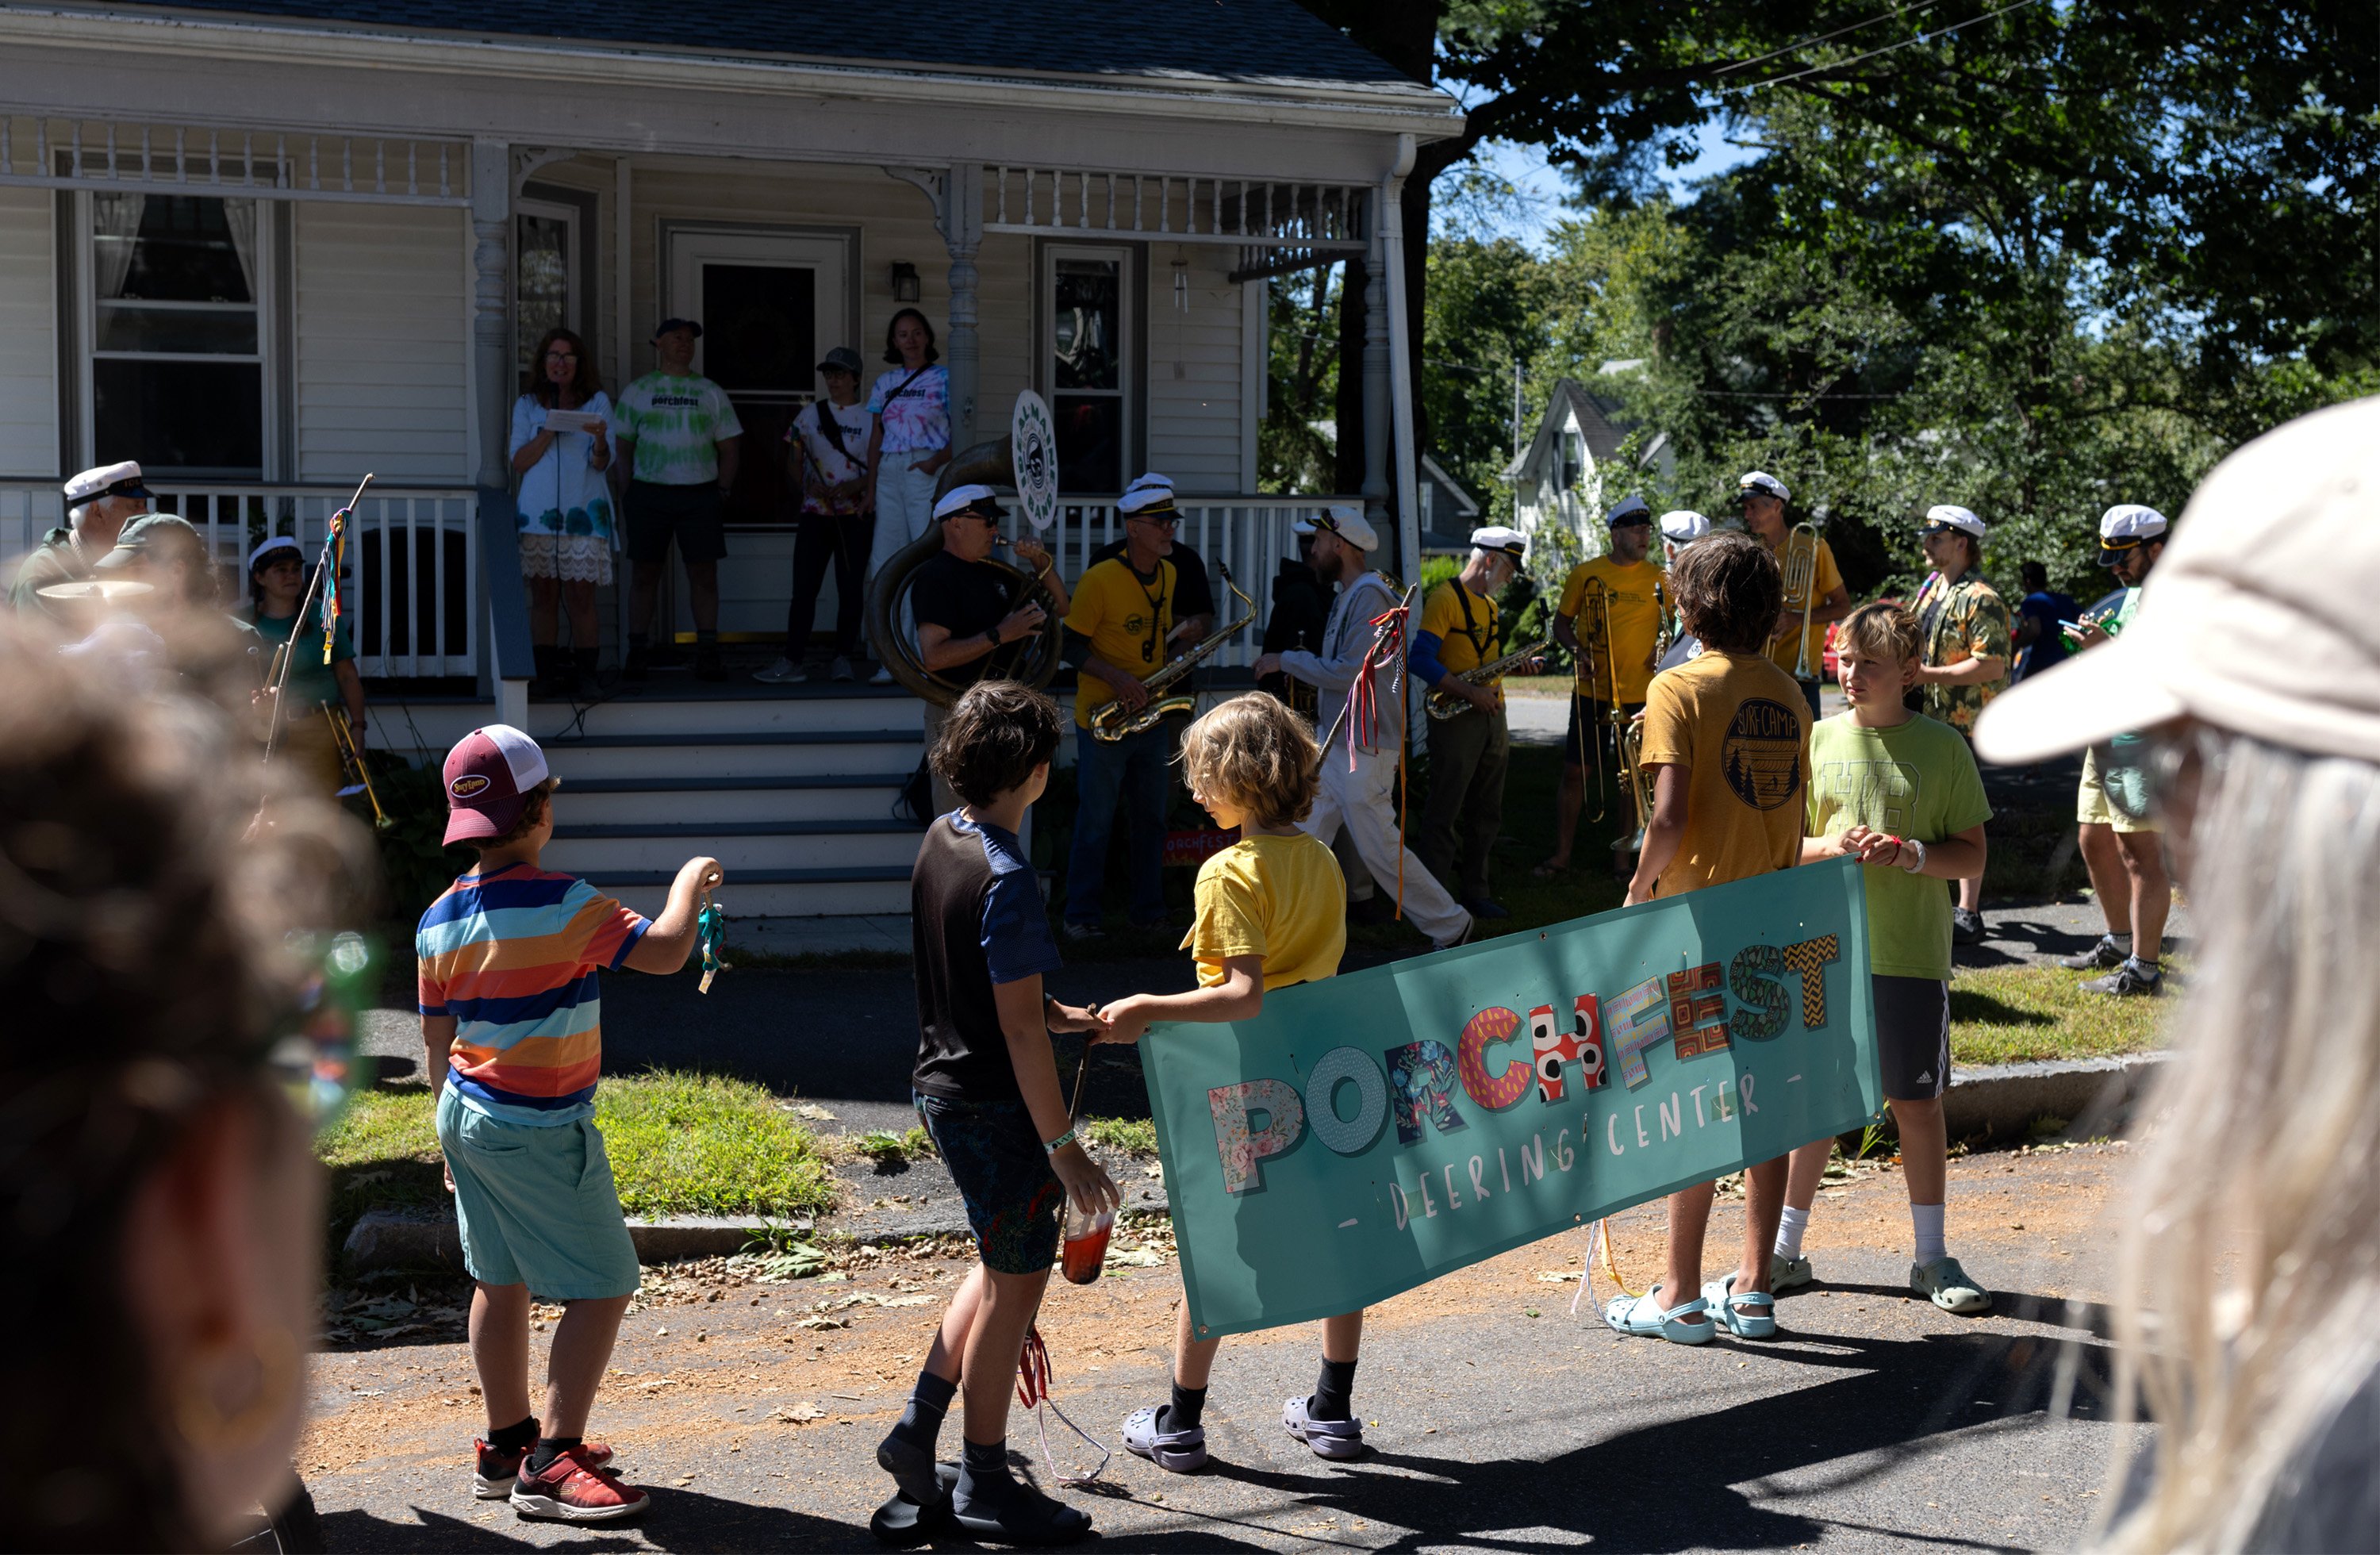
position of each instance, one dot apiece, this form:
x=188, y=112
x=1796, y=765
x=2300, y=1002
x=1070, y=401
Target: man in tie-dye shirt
x=678, y=437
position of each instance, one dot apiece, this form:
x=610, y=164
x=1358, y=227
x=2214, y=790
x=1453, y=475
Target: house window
x=1089, y=353
x=1573, y=460
x=177, y=360
x=545, y=288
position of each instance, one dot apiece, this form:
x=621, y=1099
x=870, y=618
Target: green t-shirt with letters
x=1915, y=780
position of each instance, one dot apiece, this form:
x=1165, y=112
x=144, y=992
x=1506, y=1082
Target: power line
x=1790, y=48
x=1888, y=48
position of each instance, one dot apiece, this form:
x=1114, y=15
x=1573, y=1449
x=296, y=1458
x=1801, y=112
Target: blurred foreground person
x=2248, y=1307
x=158, y=1198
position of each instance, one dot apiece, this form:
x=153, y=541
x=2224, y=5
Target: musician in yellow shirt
x=1468, y=753
x=1626, y=585
x=1116, y=632
x=1822, y=599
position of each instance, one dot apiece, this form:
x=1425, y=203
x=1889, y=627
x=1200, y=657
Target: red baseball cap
x=488, y=773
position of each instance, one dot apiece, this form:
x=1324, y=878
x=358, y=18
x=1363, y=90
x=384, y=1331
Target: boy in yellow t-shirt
x=1622, y=588
x=1729, y=741
x=1270, y=915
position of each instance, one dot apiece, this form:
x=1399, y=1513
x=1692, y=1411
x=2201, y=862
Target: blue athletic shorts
x=537, y=1204
x=1012, y=1198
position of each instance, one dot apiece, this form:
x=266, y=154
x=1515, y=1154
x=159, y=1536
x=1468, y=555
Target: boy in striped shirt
x=510, y=1022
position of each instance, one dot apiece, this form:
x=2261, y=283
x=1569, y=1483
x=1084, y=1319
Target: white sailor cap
x=1504, y=542
x=1150, y=477
x=1957, y=517
x=271, y=543
x=1345, y=521
x=1760, y=483
x=108, y=480
x=2127, y=524
x=974, y=497
x=1682, y=524
x=1145, y=495
x=1632, y=510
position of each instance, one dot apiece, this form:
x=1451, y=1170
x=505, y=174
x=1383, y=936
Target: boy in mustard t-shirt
x=1270, y=915
x=1727, y=737
x=1902, y=791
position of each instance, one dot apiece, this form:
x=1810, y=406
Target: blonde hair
x=1882, y=630
x=2264, y=1162
x=1255, y=753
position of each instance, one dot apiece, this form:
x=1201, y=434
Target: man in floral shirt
x=1963, y=630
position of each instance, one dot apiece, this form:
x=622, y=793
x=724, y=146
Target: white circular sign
x=1033, y=443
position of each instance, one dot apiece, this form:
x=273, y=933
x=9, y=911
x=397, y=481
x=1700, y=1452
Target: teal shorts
x=537, y=1204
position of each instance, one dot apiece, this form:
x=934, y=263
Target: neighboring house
x=267, y=246
x=1448, y=513
x=1567, y=473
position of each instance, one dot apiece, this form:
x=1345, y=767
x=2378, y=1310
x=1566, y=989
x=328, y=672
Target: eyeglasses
x=562, y=356
x=1161, y=520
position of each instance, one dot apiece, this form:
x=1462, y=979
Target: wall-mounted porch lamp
x=905, y=281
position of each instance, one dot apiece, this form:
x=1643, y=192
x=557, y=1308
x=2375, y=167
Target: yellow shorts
x=2090, y=807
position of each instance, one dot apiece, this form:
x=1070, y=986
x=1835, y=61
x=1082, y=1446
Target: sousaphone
x=1026, y=462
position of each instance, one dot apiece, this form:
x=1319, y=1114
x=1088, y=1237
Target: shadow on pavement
x=677, y=1520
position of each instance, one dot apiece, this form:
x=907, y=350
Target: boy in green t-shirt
x=1901, y=792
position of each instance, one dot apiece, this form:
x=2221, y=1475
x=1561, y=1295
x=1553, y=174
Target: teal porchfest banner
x=1365, y=1135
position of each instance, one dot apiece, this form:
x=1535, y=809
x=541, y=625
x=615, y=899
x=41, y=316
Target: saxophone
x=1111, y=724
x=1443, y=705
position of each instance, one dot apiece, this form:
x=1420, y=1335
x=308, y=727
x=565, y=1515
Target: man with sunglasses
x=2121, y=845
x=1963, y=639
x=965, y=622
x=1798, y=652
x=1118, y=633
x=99, y=504
x=1194, y=597
x=1359, y=765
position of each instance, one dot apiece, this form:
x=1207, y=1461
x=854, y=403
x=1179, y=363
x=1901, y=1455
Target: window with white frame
x=177, y=334
x=545, y=293
x=1087, y=368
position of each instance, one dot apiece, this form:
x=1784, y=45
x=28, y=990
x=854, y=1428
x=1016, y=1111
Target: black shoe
x=666, y=655
x=1371, y=909
x=547, y=682
x=1966, y=926
x=2130, y=979
x=587, y=683
x=2099, y=958
x=1010, y=1512
x=708, y=665
x=904, y=1522
x=1487, y=908
x=638, y=661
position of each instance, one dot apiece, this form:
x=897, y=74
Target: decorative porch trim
x=40, y=151
x=1260, y=217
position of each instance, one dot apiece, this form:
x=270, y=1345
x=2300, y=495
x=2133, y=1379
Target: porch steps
x=791, y=789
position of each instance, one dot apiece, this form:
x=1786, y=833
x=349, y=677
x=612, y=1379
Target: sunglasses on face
x=1935, y=531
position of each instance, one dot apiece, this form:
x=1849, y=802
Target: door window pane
x=543, y=300
x=1090, y=441
x=1084, y=325
x=759, y=342
x=1087, y=346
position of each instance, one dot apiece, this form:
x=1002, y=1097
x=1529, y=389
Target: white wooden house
x=1577, y=462
x=266, y=246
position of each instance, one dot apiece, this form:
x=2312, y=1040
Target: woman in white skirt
x=564, y=511
x=908, y=444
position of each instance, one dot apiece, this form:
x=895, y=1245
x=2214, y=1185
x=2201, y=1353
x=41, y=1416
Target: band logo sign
x=1366, y=1134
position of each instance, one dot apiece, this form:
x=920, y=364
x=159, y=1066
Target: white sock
x=1927, y=1218
x=1790, y=1227
x=2122, y=942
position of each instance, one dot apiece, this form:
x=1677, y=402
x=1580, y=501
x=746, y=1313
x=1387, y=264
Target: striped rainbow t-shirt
x=512, y=955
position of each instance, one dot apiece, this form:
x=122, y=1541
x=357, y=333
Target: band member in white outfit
x=1363, y=799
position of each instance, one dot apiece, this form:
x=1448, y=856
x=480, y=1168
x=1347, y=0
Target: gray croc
x=1789, y=1274
x=1175, y=1452
x=1950, y=1287
x=1329, y=1438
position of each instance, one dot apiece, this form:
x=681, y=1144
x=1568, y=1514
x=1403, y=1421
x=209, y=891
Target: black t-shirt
x=1193, y=595
x=964, y=598
x=975, y=919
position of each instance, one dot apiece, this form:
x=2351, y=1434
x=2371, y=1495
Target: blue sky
x=1543, y=186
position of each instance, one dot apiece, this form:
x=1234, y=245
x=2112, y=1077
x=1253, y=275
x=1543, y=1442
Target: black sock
x=707, y=634
x=984, y=1468
x=929, y=1402
x=515, y=1439
x=640, y=641
x=550, y=1448
x=1331, y=1390
x=1183, y=1414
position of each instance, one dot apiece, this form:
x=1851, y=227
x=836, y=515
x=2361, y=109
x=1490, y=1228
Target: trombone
x=351, y=758
x=1801, y=571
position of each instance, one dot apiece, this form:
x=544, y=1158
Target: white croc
x=1329, y=1438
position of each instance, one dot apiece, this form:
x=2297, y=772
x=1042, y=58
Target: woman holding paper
x=559, y=452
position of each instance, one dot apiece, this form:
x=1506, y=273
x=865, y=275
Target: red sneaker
x=493, y=1480
x=574, y=1491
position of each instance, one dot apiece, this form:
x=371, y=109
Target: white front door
x=770, y=304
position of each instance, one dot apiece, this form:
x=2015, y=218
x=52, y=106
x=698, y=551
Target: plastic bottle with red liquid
x=1084, y=1250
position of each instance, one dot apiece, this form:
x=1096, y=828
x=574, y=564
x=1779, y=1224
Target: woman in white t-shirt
x=565, y=508
x=911, y=441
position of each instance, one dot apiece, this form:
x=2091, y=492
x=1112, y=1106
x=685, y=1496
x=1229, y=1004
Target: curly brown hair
x=586, y=381
x=1255, y=752
x=1730, y=592
x=996, y=735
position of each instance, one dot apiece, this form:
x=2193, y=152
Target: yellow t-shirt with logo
x=1639, y=599
x=1787, y=649
x=1740, y=728
x=1281, y=898
x=1463, y=644
x=1126, y=621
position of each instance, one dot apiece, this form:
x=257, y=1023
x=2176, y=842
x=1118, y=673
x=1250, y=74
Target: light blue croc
x=1644, y=1315
x=1752, y=1315
x=1178, y=1452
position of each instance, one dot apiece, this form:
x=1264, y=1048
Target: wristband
x=1052, y=1146
x=1913, y=846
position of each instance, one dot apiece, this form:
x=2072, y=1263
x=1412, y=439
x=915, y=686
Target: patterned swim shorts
x=1012, y=1198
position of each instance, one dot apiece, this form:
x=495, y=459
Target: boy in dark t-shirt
x=986, y=1085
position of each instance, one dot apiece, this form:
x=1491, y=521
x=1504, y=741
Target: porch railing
x=412, y=566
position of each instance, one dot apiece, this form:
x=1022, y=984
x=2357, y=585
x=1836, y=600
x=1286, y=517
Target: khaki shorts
x=2090, y=807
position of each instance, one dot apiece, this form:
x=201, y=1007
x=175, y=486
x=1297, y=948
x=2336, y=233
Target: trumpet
x=1111, y=723
x=1443, y=705
x=1801, y=570
x=351, y=758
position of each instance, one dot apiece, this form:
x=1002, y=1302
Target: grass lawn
x=2008, y=1014
x=680, y=1145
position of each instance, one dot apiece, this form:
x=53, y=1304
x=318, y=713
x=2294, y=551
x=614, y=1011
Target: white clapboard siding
x=382, y=380
x=29, y=341
x=1194, y=369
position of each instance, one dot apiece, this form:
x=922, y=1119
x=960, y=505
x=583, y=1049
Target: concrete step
x=753, y=846
x=774, y=893
x=857, y=796
x=759, y=710
x=801, y=754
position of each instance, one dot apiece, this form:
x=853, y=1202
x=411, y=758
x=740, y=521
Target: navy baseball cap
x=668, y=324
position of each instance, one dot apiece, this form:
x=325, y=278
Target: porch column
x=1401, y=349
x=492, y=209
x=1376, y=375
x=963, y=232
